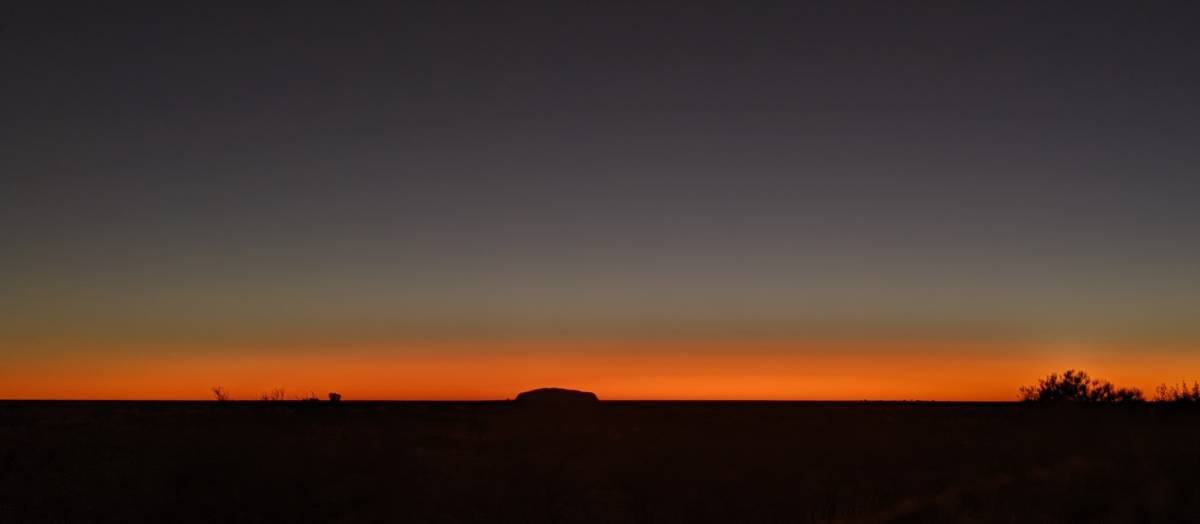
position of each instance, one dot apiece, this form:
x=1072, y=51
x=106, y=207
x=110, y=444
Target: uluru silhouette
x=556, y=397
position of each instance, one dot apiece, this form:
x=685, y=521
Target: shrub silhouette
x=1178, y=393
x=1077, y=386
x=220, y=394
x=308, y=397
x=335, y=397
x=275, y=395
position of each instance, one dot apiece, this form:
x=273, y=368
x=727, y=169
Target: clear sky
x=683, y=200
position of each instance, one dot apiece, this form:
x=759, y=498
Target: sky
x=656, y=200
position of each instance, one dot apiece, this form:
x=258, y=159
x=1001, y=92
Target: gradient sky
x=690, y=200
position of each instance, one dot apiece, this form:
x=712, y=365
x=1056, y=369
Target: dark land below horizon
x=614, y=461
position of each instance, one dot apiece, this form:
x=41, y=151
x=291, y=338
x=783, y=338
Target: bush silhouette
x=275, y=395
x=1180, y=393
x=308, y=397
x=220, y=394
x=1077, y=386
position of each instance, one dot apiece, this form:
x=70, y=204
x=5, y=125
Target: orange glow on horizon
x=682, y=371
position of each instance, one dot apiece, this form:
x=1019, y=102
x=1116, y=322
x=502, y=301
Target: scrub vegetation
x=1077, y=386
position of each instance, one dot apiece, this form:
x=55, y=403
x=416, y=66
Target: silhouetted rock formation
x=557, y=397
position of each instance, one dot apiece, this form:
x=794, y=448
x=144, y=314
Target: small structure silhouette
x=557, y=397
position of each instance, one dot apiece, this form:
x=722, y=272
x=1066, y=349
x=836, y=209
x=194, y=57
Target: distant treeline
x=220, y=394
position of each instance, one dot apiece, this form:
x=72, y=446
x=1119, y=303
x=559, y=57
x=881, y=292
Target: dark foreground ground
x=617, y=462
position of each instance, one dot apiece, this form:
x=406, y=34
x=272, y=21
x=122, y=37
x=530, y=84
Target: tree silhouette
x=220, y=394
x=1077, y=386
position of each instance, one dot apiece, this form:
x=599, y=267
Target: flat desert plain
x=498, y=462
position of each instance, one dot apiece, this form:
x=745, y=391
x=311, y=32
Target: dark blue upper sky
x=1023, y=168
